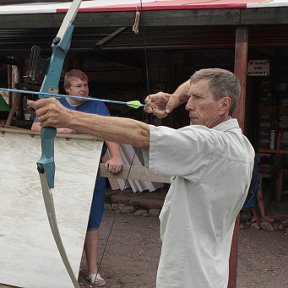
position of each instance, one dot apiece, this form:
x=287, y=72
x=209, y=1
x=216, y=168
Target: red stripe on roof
x=171, y=5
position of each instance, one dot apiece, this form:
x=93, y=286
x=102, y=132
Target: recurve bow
x=46, y=165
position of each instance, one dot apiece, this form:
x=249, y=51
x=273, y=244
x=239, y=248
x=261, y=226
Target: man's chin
x=193, y=122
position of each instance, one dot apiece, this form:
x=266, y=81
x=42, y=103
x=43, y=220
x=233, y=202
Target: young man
x=211, y=162
x=76, y=84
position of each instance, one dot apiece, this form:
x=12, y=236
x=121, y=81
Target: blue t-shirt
x=97, y=205
x=255, y=185
x=92, y=107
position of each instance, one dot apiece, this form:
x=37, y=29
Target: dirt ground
x=132, y=252
x=133, y=249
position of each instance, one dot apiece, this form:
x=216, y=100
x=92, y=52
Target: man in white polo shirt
x=211, y=163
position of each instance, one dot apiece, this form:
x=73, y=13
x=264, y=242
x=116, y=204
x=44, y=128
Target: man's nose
x=190, y=104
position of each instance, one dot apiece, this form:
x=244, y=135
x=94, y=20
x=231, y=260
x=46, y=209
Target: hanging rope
x=135, y=27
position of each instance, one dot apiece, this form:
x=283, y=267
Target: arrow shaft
x=46, y=94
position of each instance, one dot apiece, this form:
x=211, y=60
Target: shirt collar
x=232, y=123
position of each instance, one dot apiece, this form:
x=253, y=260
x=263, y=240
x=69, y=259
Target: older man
x=211, y=163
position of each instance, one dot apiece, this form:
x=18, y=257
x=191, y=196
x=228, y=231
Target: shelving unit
x=273, y=126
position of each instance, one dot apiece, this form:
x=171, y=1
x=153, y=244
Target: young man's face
x=202, y=107
x=78, y=87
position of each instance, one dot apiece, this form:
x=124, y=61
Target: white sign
x=258, y=68
x=23, y=214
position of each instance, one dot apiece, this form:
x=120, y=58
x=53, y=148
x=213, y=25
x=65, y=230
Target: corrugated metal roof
x=184, y=28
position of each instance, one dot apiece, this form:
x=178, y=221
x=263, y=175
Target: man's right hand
x=51, y=113
x=160, y=104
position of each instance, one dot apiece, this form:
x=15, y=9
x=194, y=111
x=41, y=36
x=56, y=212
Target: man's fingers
x=31, y=104
x=157, y=104
x=114, y=169
x=159, y=113
x=41, y=102
x=148, y=109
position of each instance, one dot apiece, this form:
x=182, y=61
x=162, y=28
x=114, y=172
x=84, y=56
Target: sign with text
x=258, y=68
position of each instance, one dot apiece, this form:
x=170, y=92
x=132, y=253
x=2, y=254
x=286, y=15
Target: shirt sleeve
x=183, y=152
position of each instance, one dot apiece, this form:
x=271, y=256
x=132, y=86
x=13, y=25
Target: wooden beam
x=240, y=69
x=111, y=36
x=134, y=173
x=193, y=17
x=264, y=16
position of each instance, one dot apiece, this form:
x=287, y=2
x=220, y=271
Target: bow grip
x=46, y=163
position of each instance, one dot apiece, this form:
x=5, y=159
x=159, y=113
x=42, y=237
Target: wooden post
x=15, y=75
x=240, y=69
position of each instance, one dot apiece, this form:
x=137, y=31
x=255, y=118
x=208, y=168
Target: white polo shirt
x=212, y=169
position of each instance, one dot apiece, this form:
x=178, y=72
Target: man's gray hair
x=222, y=83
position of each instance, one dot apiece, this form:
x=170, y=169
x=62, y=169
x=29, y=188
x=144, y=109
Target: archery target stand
x=28, y=254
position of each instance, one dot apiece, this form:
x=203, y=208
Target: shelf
x=26, y=124
x=273, y=151
x=273, y=109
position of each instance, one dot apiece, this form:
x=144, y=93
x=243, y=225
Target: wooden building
x=139, y=47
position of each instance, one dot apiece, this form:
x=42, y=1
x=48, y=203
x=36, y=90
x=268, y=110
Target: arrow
x=135, y=104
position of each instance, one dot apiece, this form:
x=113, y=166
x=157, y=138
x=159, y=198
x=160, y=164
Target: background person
x=210, y=162
x=76, y=84
x=255, y=196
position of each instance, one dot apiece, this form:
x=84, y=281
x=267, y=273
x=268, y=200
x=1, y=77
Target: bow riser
x=59, y=50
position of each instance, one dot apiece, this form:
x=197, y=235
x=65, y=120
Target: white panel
x=133, y=156
x=28, y=254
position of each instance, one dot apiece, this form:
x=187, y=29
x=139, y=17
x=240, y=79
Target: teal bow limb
x=60, y=48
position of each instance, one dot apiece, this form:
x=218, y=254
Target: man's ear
x=225, y=104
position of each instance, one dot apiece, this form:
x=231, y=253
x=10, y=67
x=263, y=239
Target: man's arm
x=37, y=128
x=115, y=129
x=179, y=97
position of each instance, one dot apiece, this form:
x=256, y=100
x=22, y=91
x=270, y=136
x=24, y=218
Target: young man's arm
x=115, y=164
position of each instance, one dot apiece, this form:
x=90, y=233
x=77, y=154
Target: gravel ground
x=263, y=259
x=132, y=252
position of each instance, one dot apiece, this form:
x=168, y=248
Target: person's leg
x=91, y=250
x=92, y=234
x=254, y=217
x=261, y=207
